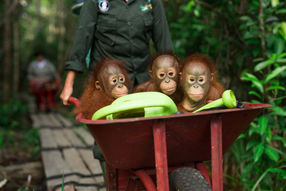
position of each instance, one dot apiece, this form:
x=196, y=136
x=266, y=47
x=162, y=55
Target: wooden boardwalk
x=66, y=152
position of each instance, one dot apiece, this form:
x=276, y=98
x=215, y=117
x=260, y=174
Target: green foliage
x=11, y=113
x=264, y=141
x=246, y=40
x=15, y=132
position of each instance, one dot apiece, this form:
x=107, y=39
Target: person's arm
x=83, y=41
x=84, y=36
x=68, y=87
x=31, y=71
x=160, y=34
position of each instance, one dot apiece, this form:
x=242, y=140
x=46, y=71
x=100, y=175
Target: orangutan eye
x=171, y=74
x=114, y=81
x=202, y=80
x=121, y=79
x=192, y=80
x=162, y=75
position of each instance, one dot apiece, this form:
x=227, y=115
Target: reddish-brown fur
x=151, y=85
x=216, y=89
x=93, y=99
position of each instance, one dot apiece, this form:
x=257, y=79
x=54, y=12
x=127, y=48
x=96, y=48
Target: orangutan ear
x=150, y=73
x=212, y=77
x=180, y=75
x=97, y=85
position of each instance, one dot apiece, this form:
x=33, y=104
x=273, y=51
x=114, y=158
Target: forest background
x=245, y=38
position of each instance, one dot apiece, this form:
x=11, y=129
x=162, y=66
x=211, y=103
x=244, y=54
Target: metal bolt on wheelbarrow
x=141, y=150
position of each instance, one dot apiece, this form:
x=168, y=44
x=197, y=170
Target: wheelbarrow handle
x=74, y=101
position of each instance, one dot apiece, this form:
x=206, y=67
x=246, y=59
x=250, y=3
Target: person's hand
x=65, y=94
x=68, y=87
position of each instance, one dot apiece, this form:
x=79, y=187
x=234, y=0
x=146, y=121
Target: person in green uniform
x=118, y=29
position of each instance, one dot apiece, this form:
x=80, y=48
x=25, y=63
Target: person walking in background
x=44, y=82
x=118, y=29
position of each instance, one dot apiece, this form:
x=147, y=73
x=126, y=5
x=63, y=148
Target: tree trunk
x=61, y=27
x=16, y=69
x=38, y=15
x=261, y=26
x=7, y=51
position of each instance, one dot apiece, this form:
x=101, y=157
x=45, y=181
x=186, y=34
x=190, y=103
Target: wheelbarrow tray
x=129, y=144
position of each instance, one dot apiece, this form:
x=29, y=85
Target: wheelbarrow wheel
x=188, y=179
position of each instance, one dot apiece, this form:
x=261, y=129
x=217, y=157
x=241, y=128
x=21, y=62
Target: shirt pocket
x=106, y=23
x=148, y=19
x=105, y=28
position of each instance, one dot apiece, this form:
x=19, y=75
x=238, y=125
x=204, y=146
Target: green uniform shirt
x=120, y=30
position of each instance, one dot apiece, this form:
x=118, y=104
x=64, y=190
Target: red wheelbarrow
x=140, y=150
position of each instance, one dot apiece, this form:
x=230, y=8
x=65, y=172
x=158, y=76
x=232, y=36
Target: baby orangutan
x=164, y=71
x=198, y=83
x=108, y=82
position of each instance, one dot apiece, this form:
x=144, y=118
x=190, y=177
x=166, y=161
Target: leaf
x=281, y=60
x=262, y=65
x=269, y=135
x=271, y=153
x=276, y=87
x=1, y=142
x=258, y=151
x=249, y=77
x=281, y=55
x=190, y=5
x=255, y=101
x=275, y=73
x=245, y=18
x=281, y=172
x=241, y=136
x=258, y=59
x=274, y=3
x=258, y=85
x=263, y=122
x=255, y=94
x=278, y=111
x=283, y=28
x=281, y=11
x=250, y=144
x=282, y=139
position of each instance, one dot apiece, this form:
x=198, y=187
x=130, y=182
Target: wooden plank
x=32, y=108
x=66, y=122
x=55, y=165
x=60, y=138
x=45, y=119
x=53, y=161
x=78, y=188
x=87, y=155
x=86, y=181
x=32, y=104
x=73, y=158
x=85, y=135
x=47, y=138
x=67, y=188
x=57, y=162
x=73, y=138
x=54, y=120
x=92, y=164
x=36, y=121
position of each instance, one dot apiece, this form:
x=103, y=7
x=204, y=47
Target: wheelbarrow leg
x=160, y=149
x=216, y=153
